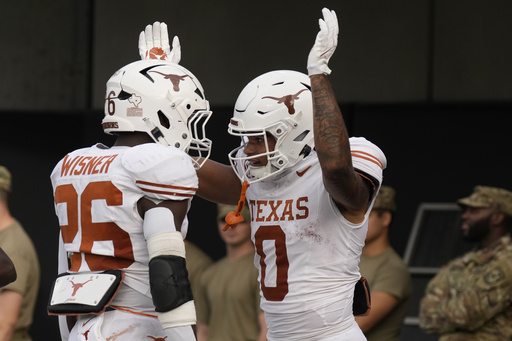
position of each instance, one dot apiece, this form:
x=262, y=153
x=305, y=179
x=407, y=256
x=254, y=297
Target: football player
x=122, y=210
x=310, y=189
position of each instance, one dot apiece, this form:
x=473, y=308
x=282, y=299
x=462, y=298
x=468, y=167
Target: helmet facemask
x=276, y=160
x=200, y=146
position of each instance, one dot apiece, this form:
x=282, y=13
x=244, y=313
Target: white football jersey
x=307, y=254
x=96, y=192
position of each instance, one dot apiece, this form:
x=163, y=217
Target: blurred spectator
x=471, y=297
x=197, y=262
x=228, y=304
x=388, y=276
x=17, y=299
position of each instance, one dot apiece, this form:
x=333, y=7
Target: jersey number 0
x=276, y=234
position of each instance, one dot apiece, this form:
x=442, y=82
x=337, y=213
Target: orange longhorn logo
x=288, y=100
x=175, y=79
x=156, y=53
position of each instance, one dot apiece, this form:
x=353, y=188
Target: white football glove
x=154, y=44
x=325, y=44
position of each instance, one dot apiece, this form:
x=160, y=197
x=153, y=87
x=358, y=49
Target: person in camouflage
x=471, y=297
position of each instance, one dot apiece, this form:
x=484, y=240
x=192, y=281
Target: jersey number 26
x=94, y=231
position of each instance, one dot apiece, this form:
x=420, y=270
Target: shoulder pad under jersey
x=161, y=172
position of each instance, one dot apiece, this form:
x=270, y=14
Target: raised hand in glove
x=325, y=44
x=154, y=44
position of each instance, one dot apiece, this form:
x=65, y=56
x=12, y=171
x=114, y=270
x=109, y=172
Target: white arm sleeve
x=158, y=220
x=161, y=235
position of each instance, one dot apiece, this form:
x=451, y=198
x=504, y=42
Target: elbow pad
x=168, y=278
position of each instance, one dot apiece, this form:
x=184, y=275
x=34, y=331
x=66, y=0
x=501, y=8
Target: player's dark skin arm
x=218, y=183
x=345, y=186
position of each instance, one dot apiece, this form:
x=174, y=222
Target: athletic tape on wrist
x=184, y=315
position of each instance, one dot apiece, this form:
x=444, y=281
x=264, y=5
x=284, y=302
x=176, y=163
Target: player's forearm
x=333, y=149
x=331, y=136
x=218, y=183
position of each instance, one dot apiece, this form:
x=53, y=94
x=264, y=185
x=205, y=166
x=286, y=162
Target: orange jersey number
x=275, y=233
x=94, y=231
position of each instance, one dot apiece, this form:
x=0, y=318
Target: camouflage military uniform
x=471, y=297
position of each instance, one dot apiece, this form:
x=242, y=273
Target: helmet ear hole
x=164, y=121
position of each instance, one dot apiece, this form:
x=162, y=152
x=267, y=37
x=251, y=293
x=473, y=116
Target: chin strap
x=234, y=217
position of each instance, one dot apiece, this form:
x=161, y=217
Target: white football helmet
x=278, y=103
x=163, y=99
